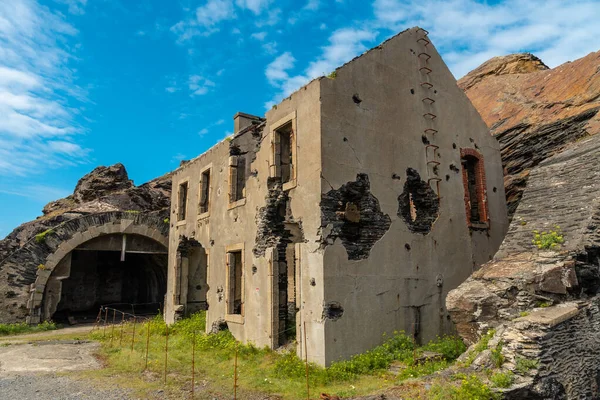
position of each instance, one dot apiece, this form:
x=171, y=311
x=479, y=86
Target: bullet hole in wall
x=495, y=189
x=447, y=177
x=396, y=176
x=407, y=246
x=418, y=204
x=412, y=91
x=312, y=282
x=254, y=269
x=357, y=100
x=333, y=311
x=424, y=139
x=345, y=139
x=454, y=168
x=471, y=140
x=355, y=217
x=454, y=145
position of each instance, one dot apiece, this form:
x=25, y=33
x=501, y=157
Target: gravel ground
x=52, y=387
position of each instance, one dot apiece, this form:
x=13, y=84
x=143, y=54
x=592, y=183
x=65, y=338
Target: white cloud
x=312, y=5
x=468, y=32
x=276, y=71
x=205, y=21
x=37, y=126
x=344, y=44
x=270, y=47
x=256, y=6
x=171, y=89
x=214, y=11
x=76, y=7
x=199, y=85
x=259, y=35
x=203, y=131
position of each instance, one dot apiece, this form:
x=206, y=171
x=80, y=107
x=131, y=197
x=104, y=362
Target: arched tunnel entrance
x=126, y=271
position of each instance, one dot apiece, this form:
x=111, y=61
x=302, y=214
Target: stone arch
x=28, y=269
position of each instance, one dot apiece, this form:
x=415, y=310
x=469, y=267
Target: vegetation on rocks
x=548, y=239
x=20, y=328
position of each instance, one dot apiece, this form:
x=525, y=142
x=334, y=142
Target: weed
x=22, y=327
x=502, y=379
x=481, y=345
x=166, y=220
x=523, y=365
x=523, y=313
x=548, y=240
x=471, y=387
x=544, y=304
x=41, y=267
x=332, y=75
x=497, y=356
x=41, y=237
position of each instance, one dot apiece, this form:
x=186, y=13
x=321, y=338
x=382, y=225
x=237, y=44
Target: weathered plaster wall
x=225, y=226
x=376, y=126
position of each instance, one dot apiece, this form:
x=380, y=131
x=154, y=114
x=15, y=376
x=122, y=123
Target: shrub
x=548, y=240
x=502, y=379
x=451, y=347
x=523, y=365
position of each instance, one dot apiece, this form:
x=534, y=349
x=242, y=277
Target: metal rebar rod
x=306, y=362
x=166, y=351
x=133, y=334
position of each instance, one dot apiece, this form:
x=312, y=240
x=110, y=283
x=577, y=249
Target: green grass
x=260, y=370
x=470, y=388
x=20, y=328
x=502, y=379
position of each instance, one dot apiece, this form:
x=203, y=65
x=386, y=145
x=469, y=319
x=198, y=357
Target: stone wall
x=24, y=272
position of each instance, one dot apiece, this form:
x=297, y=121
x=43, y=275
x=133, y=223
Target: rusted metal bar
x=306, y=363
x=427, y=85
x=98, y=319
x=133, y=335
x=426, y=69
x=430, y=115
x=112, y=330
x=193, y=362
x=166, y=351
x=235, y=373
x=429, y=130
x=122, y=326
x=428, y=100
x=433, y=162
x=425, y=41
x=425, y=31
x=427, y=56
x=105, y=321
x=147, y=345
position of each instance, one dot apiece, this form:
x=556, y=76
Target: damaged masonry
x=277, y=250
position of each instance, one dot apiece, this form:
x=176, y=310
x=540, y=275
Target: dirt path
x=32, y=369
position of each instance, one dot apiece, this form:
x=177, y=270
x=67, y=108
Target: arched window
x=473, y=172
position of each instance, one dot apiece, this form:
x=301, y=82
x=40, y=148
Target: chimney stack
x=242, y=120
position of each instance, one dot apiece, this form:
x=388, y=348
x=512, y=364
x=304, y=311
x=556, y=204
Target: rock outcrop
x=533, y=111
x=104, y=189
x=542, y=302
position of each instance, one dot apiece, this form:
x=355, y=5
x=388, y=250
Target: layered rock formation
x=542, y=302
x=533, y=111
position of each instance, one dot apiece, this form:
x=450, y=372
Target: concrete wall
x=225, y=227
x=373, y=123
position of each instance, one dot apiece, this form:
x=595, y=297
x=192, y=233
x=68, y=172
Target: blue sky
x=148, y=83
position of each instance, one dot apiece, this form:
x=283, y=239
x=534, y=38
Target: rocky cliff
x=541, y=292
x=103, y=189
x=534, y=111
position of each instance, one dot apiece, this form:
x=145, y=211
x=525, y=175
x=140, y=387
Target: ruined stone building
x=348, y=211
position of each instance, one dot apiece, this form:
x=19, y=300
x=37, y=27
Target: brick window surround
x=474, y=158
